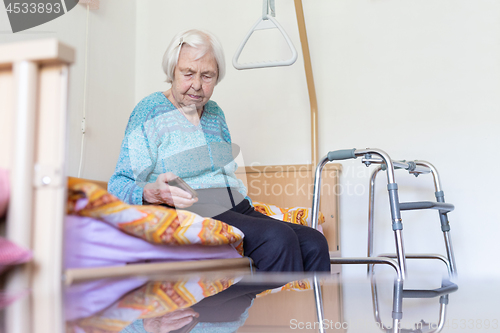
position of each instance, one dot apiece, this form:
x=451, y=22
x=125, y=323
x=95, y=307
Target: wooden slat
x=44, y=51
x=50, y=198
x=75, y=275
x=21, y=204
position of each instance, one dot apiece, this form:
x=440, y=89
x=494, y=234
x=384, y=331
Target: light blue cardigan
x=160, y=139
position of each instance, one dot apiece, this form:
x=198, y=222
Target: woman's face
x=194, y=79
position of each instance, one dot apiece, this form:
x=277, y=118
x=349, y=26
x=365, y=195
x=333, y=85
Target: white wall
x=267, y=109
x=111, y=85
x=420, y=80
x=110, y=77
x=417, y=79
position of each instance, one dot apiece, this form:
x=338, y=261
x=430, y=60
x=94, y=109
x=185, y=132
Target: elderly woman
x=182, y=133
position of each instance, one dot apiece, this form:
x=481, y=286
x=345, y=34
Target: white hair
x=203, y=41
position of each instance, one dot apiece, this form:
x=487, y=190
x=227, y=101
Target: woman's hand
x=160, y=192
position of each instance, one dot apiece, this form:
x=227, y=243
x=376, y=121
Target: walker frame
x=387, y=164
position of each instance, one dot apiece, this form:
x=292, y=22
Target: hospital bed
x=33, y=95
x=284, y=186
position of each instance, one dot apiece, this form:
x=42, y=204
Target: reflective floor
x=230, y=302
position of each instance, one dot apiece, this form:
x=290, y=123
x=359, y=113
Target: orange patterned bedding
x=154, y=224
x=167, y=226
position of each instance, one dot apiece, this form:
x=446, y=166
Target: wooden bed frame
x=33, y=94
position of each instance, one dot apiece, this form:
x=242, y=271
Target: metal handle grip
x=343, y=154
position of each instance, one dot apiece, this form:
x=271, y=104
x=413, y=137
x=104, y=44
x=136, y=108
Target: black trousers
x=273, y=245
x=229, y=304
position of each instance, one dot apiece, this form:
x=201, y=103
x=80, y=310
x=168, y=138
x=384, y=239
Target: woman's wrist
x=151, y=195
x=146, y=197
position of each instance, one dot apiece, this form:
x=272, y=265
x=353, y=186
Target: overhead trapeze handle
x=268, y=23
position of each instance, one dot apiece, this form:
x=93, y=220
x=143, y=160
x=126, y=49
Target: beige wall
x=418, y=79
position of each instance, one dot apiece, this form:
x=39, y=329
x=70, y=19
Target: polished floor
x=230, y=302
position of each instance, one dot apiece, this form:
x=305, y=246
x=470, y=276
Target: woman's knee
x=280, y=235
x=315, y=252
x=313, y=240
x=276, y=248
x=276, y=239
x=309, y=234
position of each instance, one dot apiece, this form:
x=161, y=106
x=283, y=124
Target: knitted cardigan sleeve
x=137, y=158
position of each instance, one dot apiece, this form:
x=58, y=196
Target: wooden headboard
x=292, y=185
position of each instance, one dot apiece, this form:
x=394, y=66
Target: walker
x=377, y=156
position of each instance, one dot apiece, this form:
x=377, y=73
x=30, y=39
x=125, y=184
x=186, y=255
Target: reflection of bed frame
x=33, y=95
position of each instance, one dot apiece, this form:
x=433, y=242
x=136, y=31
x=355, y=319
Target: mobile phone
x=180, y=183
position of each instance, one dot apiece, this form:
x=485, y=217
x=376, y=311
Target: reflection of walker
x=447, y=287
x=416, y=168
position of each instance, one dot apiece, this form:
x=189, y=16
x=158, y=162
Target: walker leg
x=371, y=215
x=449, y=253
x=319, y=303
x=397, y=306
x=445, y=227
x=397, y=226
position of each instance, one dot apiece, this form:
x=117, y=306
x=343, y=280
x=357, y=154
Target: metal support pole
x=392, y=189
x=319, y=303
x=316, y=193
x=445, y=226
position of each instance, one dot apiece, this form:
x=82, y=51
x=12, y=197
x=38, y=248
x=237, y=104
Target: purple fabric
x=91, y=243
x=12, y=254
x=7, y=298
x=86, y=299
